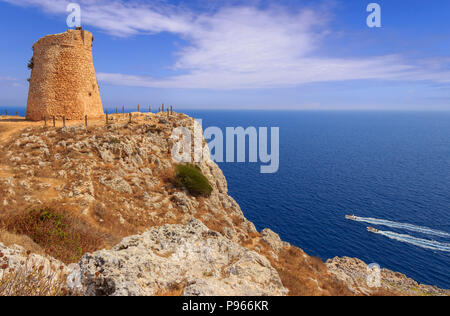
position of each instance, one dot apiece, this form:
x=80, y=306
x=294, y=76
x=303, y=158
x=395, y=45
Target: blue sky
x=251, y=54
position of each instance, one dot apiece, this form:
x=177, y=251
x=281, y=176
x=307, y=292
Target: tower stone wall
x=63, y=80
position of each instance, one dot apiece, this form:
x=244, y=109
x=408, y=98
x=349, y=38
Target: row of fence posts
x=63, y=119
x=6, y=113
x=117, y=111
x=169, y=112
x=160, y=109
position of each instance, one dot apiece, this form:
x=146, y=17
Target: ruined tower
x=63, y=80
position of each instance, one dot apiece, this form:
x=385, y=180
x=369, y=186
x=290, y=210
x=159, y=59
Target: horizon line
x=127, y=108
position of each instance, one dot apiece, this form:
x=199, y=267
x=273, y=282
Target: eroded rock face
x=355, y=273
x=190, y=257
x=273, y=239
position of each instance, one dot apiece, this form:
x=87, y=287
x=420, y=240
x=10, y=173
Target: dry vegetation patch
x=31, y=279
x=10, y=239
x=301, y=274
x=174, y=289
x=60, y=234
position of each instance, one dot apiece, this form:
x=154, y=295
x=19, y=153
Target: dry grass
x=9, y=239
x=166, y=176
x=307, y=276
x=32, y=279
x=216, y=223
x=301, y=274
x=3, y=129
x=386, y=292
x=174, y=289
x=61, y=234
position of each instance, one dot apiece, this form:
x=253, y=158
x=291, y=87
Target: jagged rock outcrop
x=273, y=240
x=191, y=258
x=355, y=273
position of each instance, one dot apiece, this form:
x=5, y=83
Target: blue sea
x=389, y=166
x=390, y=169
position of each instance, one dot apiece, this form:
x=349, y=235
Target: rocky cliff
x=119, y=226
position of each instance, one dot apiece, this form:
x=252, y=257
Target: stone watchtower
x=63, y=80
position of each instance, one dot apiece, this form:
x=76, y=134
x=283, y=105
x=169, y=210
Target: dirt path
x=11, y=124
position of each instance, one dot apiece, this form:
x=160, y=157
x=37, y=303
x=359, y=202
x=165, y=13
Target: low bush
x=30, y=64
x=190, y=176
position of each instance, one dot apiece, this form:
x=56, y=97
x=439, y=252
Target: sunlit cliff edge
x=97, y=209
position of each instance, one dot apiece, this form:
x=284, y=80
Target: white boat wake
x=428, y=244
x=410, y=227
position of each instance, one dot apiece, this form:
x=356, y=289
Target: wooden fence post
x=64, y=121
x=85, y=121
x=107, y=118
x=130, y=118
x=45, y=120
x=54, y=121
x=138, y=109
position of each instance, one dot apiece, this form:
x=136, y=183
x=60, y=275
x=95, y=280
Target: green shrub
x=31, y=63
x=190, y=176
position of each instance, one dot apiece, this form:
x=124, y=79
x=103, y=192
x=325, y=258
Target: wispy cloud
x=121, y=18
x=11, y=81
x=241, y=47
x=6, y=78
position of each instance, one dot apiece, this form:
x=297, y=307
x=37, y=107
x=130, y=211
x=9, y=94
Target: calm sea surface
x=388, y=168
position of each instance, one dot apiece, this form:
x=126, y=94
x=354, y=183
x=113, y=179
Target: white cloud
x=120, y=18
x=11, y=81
x=238, y=47
x=6, y=78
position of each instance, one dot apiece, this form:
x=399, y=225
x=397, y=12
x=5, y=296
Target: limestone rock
x=273, y=239
x=355, y=273
x=192, y=257
x=117, y=184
